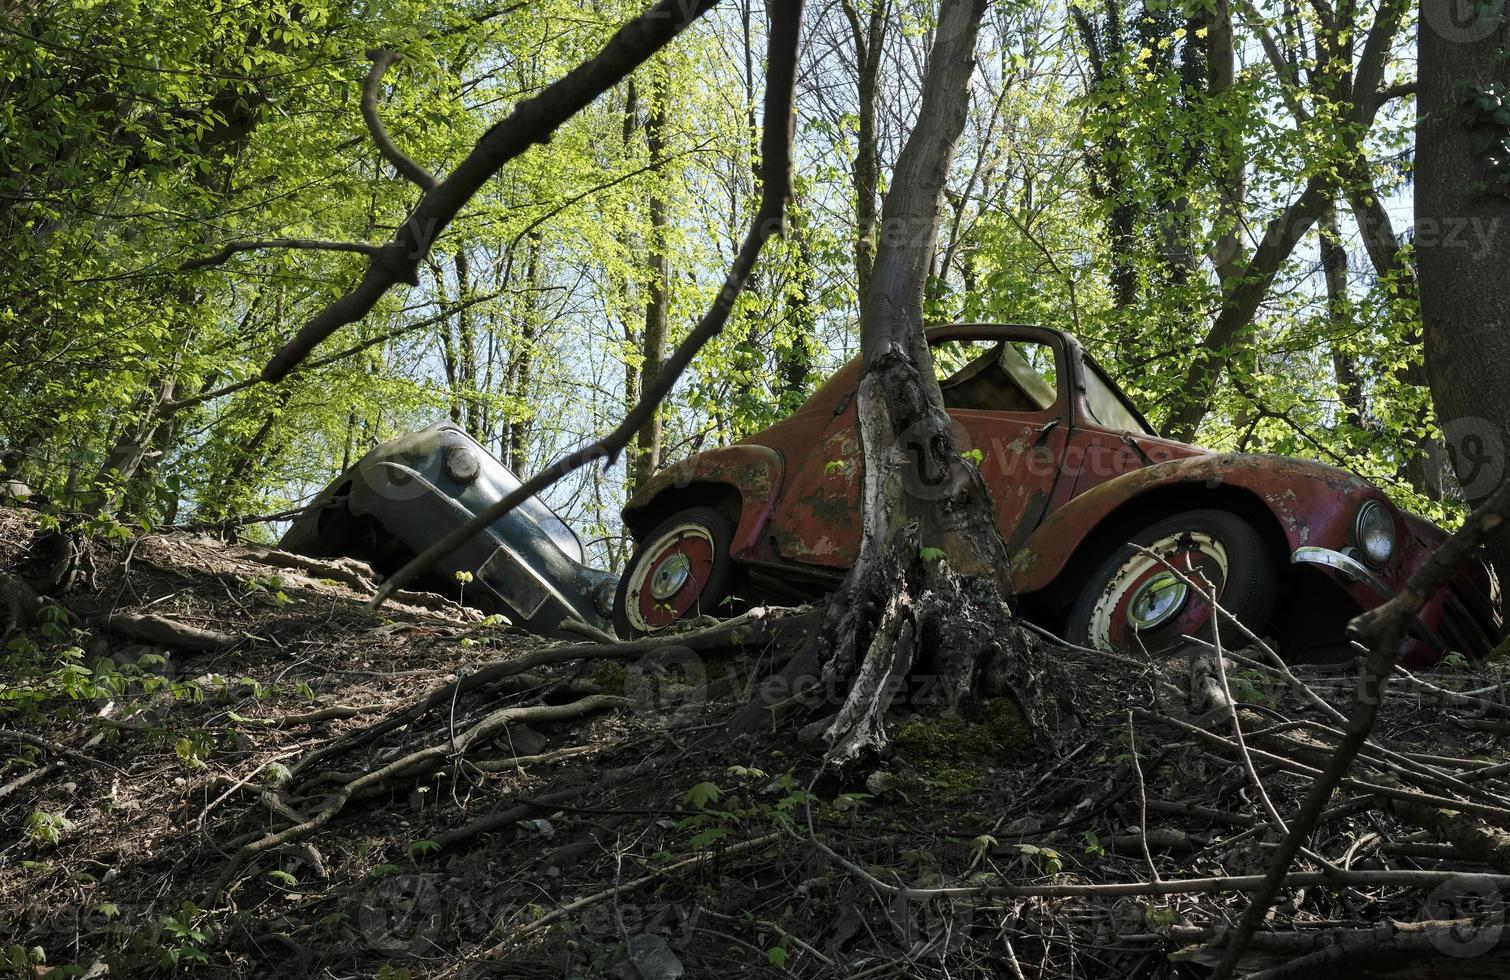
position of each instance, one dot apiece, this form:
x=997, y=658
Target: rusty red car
x=1079, y=479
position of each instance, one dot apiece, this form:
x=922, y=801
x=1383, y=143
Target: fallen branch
x=628, y=886
x=61, y=751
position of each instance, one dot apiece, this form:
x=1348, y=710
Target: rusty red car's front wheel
x=1135, y=602
x=681, y=570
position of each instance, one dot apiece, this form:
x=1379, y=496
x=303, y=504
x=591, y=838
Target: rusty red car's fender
x=744, y=478
x=1310, y=503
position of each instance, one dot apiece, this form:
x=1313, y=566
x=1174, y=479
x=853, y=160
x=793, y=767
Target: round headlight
x=1376, y=532
x=461, y=464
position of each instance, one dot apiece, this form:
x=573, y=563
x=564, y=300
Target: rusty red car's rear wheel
x=681, y=570
x=1134, y=602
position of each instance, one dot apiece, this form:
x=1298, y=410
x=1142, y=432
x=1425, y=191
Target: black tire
x=723, y=578
x=1248, y=590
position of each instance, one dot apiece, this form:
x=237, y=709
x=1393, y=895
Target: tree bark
x=1340, y=311
x=869, y=36
x=1462, y=204
x=646, y=456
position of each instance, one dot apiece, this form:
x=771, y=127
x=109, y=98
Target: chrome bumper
x=1346, y=565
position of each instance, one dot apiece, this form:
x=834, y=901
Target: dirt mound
x=219, y=760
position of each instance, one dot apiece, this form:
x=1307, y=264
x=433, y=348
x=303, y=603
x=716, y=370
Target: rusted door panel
x=817, y=521
x=1095, y=456
x=1020, y=462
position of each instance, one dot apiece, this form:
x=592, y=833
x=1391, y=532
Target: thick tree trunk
x=929, y=593
x=1462, y=203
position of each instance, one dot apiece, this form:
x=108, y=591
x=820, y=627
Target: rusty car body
x=1295, y=548
x=407, y=493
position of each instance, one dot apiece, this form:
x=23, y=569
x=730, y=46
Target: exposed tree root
x=754, y=628
x=161, y=631
x=491, y=724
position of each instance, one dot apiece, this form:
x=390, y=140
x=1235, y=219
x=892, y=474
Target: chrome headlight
x=1375, y=533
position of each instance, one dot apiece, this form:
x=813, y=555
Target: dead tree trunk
x=930, y=591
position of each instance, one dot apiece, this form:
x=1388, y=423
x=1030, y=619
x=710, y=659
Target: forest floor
x=206, y=717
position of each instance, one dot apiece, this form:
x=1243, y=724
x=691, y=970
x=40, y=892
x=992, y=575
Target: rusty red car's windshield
x=1108, y=406
x=996, y=375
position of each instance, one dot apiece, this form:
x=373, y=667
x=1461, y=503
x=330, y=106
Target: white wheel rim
x=1165, y=593
x=654, y=576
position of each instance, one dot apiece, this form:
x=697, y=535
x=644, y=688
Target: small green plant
x=931, y=554
x=974, y=455
x=463, y=579
x=44, y=828
x=1046, y=859
x=189, y=929
x=833, y=466
x=271, y=586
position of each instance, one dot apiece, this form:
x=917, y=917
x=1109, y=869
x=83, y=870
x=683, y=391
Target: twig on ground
x=1384, y=630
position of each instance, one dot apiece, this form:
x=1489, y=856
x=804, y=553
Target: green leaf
x=931, y=554
x=701, y=795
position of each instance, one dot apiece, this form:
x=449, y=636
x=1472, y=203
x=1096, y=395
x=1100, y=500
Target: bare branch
x=382, y=60
x=532, y=121
x=255, y=244
x=1384, y=629
x=776, y=168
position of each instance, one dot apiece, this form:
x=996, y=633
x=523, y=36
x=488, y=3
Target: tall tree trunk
x=929, y=591
x=795, y=358
x=466, y=349
x=521, y=371
x=1462, y=204
x=868, y=31
x=646, y=458
x=1340, y=311
x=1108, y=165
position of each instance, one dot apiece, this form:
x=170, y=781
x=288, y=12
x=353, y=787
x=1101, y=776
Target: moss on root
x=953, y=753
